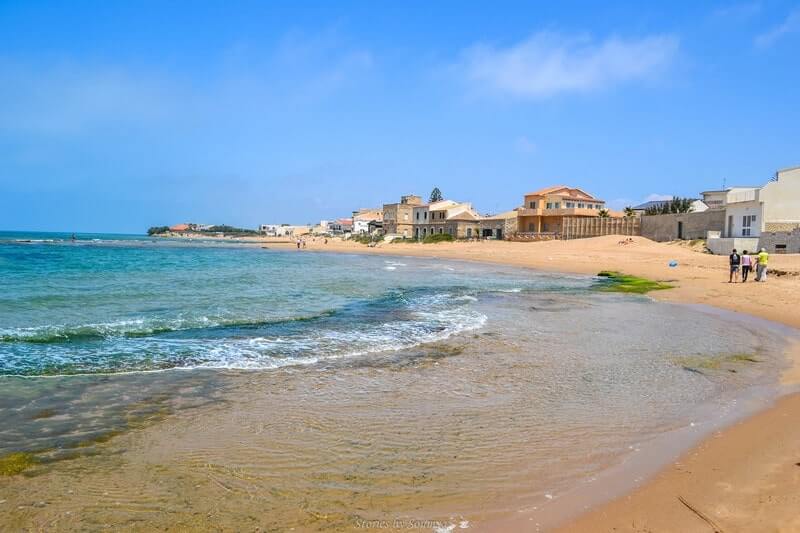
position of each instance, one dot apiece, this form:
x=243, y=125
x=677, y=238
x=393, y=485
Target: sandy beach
x=743, y=478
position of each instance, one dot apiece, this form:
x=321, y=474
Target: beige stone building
x=543, y=211
x=398, y=218
x=458, y=219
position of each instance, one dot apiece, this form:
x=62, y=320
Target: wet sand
x=743, y=478
x=137, y=475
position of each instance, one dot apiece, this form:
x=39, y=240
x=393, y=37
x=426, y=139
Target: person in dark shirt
x=734, y=259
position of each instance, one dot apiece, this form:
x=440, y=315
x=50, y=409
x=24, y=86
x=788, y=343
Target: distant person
x=761, y=268
x=735, y=260
x=304, y=243
x=747, y=265
x=298, y=244
x=73, y=238
x=326, y=240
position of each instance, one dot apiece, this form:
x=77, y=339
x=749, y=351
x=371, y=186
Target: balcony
x=561, y=212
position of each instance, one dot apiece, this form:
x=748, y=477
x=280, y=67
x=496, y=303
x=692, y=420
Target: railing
x=560, y=212
x=533, y=236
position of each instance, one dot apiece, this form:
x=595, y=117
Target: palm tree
x=629, y=212
x=603, y=213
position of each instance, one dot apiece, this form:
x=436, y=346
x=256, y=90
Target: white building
x=752, y=211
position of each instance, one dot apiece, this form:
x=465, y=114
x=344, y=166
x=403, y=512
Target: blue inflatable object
x=673, y=264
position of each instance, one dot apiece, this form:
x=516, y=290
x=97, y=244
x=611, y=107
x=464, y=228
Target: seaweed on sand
x=618, y=282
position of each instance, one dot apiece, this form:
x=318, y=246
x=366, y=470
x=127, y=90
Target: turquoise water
x=108, y=304
x=416, y=386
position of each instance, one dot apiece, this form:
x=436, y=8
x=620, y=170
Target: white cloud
x=789, y=25
x=549, y=63
x=525, y=145
x=655, y=197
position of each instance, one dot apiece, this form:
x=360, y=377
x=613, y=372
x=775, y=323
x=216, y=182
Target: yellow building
x=544, y=210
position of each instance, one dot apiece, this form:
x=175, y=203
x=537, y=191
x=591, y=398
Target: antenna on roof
x=723, y=183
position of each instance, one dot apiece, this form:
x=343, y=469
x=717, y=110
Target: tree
x=436, y=195
x=603, y=213
x=629, y=212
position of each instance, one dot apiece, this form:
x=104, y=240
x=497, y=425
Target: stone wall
x=787, y=242
x=695, y=225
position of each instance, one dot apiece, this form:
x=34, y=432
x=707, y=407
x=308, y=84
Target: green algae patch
x=698, y=363
x=16, y=463
x=618, y=282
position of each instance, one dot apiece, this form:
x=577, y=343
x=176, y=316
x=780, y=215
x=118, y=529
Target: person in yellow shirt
x=761, y=268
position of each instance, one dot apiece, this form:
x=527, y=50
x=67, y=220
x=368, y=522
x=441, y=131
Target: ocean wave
x=138, y=327
x=397, y=319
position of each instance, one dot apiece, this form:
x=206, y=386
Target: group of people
x=748, y=262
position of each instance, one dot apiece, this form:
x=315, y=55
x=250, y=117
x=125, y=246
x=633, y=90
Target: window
x=549, y=205
x=469, y=233
x=440, y=231
x=581, y=205
x=558, y=205
x=426, y=215
x=748, y=221
x=417, y=215
x=533, y=204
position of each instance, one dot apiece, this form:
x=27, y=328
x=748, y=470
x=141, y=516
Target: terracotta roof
x=550, y=190
x=179, y=227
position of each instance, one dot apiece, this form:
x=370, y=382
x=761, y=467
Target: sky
x=117, y=116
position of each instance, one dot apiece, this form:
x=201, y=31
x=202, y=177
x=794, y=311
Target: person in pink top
x=747, y=265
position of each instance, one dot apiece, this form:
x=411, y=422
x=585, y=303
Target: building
x=179, y=228
x=499, y=226
x=398, y=218
x=759, y=216
x=543, y=211
x=446, y=217
x=341, y=226
x=698, y=206
x=283, y=230
x=362, y=219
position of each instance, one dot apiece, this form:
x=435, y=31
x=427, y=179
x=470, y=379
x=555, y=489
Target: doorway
x=680, y=230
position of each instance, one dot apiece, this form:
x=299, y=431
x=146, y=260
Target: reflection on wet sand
x=456, y=432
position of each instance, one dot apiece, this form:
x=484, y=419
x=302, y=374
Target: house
x=341, y=226
x=283, y=230
x=398, y=218
x=544, y=210
x=698, y=206
x=179, y=228
x=363, y=217
x=445, y=217
x=771, y=211
x=499, y=226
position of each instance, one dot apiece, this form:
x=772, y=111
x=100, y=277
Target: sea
x=150, y=379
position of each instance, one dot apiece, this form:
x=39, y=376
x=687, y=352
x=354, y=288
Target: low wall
x=663, y=228
x=583, y=227
x=726, y=245
x=786, y=242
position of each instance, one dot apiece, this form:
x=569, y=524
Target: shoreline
x=741, y=477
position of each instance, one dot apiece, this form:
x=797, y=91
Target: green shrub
x=438, y=237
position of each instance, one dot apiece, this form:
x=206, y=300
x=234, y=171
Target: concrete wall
x=781, y=241
x=781, y=198
x=726, y=245
x=695, y=225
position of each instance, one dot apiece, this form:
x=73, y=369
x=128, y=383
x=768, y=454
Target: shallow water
x=319, y=391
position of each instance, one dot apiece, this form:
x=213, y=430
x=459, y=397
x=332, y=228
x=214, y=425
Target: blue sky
x=117, y=116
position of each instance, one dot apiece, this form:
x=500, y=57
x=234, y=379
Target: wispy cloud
x=240, y=83
x=737, y=12
x=524, y=145
x=549, y=63
x=655, y=197
x=790, y=24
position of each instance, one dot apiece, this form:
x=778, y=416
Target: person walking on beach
x=298, y=244
x=761, y=269
x=734, y=259
x=747, y=265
